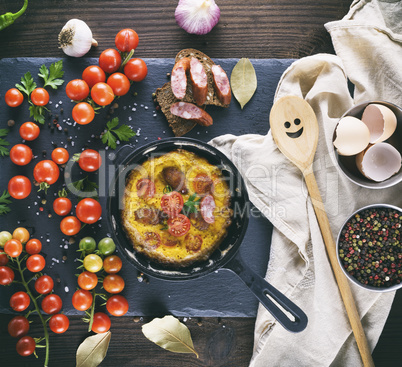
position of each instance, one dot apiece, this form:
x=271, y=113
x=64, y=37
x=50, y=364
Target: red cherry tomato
x=62, y=206
x=112, y=264
x=117, y=305
x=46, y=171
x=102, y=94
x=13, y=248
x=20, y=301
x=193, y=243
x=110, y=60
x=207, y=207
x=3, y=259
x=6, y=275
x=18, y=326
x=113, y=283
x=60, y=156
x=26, y=346
x=82, y=300
x=136, y=70
x=70, y=226
x=101, y=323
x=33, y=246
x=88, y=210
x=40, y=97
x=29, y=131
x=59, y=323
x=93, y=74
x=21, y=154
x=19, y=187
x=172, y=203
x=90, y=160
x=87, y=280
x=179, y=225
x=145, y=188
x=35, y=263
x=83, y=113
x=126, y=40
x=51, y=304
x=202, y=184
x=13, y=97
x=152, y=239
x=77, y=89
x=119, y=84
x=44, y=284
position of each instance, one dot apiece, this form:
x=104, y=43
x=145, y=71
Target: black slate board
x=218, y=294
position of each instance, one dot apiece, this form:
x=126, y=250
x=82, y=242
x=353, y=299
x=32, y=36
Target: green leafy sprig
x=192, y=204
x=4, y=202
x=4, y=143
x=112, y=133
x=51, y=77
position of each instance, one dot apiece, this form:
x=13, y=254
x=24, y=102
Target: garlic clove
x=197, y=16
x=75, y=38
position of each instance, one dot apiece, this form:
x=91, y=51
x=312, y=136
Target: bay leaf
x=170, y=334
x=243, y=81
x=93, y=349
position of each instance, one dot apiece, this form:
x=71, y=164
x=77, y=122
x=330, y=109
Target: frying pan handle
x=263, y=290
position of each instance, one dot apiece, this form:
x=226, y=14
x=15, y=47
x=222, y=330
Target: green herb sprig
x=4, y=143
x=192, y=204
x=51, y=77
x=4, y=202
x=112, y=133
x=85, y=188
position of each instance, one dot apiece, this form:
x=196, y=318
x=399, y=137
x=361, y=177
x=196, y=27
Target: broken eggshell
x=352, y=136
x=381, y=122
x=379, y=162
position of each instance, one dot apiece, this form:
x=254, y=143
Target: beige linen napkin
x=369, y=48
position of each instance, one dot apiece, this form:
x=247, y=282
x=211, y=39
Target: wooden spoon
x=294, y=128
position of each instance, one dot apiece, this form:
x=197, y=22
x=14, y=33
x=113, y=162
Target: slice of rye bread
x=166, y=98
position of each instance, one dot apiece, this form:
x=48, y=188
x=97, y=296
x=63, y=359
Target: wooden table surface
x=253, y=29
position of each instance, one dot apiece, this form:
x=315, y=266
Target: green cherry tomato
x=88, y=244
x=93, y=263
x=106, y=246
x=4, y=237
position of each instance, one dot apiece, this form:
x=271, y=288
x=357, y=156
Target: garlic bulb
x=75, y=38
x=197, y=16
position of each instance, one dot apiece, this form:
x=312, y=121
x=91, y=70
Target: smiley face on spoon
x=293, y=134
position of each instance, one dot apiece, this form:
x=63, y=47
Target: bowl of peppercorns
x=369, y=247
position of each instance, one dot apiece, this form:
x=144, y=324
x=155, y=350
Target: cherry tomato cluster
x=12, y=246
x=46, y=172
x=101, y=83
x=39, y=97
x=100, y=265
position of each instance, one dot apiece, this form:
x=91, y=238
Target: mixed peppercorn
x=370, y=248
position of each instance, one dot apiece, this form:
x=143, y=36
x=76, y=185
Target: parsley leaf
x=3, y=143
x=112, y=133
x=191, y=204
x=52, y=75
x=4, y=209
x=84, y=188
x=28, y=84
x=37, y=113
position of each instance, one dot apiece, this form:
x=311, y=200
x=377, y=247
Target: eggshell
x=379, y=161
x=381, y=122
x=352, y=136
